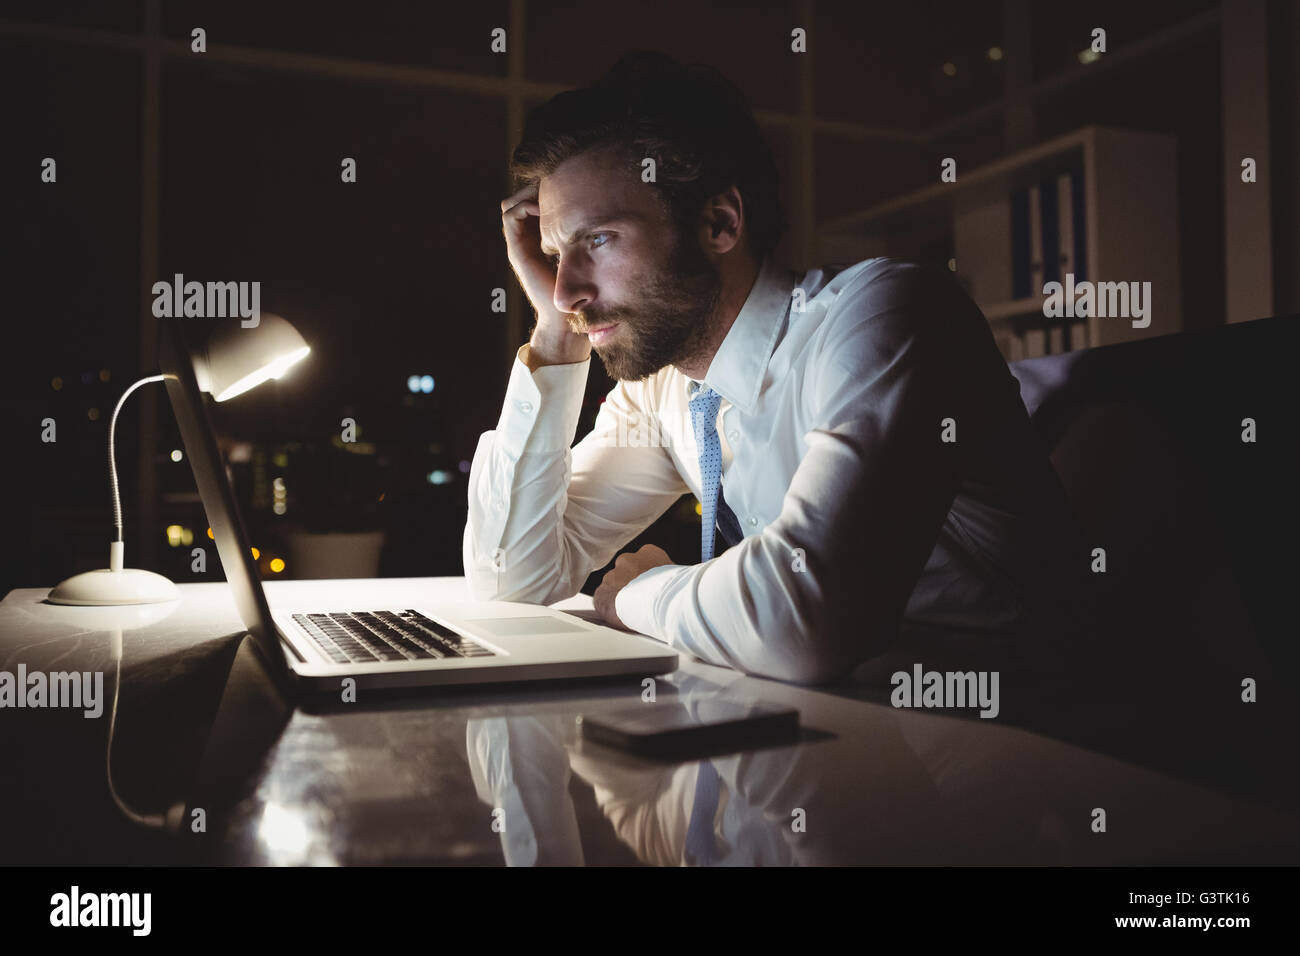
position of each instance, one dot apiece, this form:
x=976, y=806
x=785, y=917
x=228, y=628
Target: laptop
x=413, y=645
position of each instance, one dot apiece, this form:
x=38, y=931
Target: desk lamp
x=235, y=360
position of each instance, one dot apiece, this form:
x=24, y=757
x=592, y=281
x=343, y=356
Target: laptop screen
x=176, y=359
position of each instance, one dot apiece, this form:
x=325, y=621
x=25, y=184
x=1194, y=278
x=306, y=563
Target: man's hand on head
x=627, y=566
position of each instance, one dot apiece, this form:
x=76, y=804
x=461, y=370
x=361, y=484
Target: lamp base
x=106, y=587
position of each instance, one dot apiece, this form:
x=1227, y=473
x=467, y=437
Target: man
x=854, y=432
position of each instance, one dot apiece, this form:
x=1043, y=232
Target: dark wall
x=392, y=276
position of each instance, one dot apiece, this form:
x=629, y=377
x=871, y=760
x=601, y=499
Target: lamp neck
x=115, y=551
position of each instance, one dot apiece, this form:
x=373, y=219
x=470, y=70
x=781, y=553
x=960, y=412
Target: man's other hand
x=627, y=566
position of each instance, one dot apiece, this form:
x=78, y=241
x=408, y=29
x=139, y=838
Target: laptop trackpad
x=522, y=626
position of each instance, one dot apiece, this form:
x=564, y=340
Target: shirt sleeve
x=824, y=586
x=543, y=516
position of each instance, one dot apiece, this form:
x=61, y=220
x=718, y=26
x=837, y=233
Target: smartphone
x=668, y=729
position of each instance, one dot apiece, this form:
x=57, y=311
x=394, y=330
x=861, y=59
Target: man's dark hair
x=690, y=120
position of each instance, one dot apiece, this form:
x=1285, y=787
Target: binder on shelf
x=1047, y=242
x=1049, y=233
x=1065, y=230
x=1035, y=241
x=1072, y=247
x=1078, y=222
x=1021, y=279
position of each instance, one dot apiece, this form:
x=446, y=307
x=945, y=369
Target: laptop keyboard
x=364, y=637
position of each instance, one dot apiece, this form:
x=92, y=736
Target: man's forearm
x=544, y=515
x=518, y=485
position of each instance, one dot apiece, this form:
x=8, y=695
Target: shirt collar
x=737, y=370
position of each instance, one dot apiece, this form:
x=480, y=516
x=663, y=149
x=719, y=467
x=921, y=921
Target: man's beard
x=671, y=322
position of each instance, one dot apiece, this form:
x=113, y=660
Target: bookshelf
x=1127, y=184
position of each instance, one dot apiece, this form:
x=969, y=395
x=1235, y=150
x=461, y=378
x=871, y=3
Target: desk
x=430, y=776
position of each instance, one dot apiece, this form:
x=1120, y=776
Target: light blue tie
x=701, y=847
x=701, y=844
x=704, y=419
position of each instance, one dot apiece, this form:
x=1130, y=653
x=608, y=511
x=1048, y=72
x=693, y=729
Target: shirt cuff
x=559, y=389
x=635, y=603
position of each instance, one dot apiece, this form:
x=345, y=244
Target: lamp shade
x=237, y=358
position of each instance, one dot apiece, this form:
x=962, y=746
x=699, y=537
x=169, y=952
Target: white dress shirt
x=861, y=521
